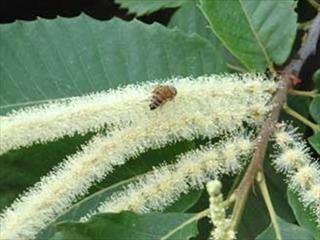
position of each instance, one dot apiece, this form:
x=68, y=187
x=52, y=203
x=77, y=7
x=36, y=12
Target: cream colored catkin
x=202, y=114
x=55, y=192
x=222, y=223
x=293, y=158
x=117, y=108
x=165, y=184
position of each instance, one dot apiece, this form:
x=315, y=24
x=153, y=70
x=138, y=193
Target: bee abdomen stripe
x=156, y=100
x=152, y=106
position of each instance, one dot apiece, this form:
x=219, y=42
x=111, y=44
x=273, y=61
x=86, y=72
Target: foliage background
x=17, y=172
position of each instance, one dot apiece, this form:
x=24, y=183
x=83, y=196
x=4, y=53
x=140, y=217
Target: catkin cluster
x=294, y=160
x=222, y=224
x=123, y=107
x=202, y=108
x=165, y=184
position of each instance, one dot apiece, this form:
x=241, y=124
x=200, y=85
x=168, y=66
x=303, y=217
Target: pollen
x=201, y=109
x=305, y=176
x=125, y=106
x=302, y=172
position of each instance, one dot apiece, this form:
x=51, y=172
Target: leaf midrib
x=74, y=206
x=269, y=62
x=182, y=225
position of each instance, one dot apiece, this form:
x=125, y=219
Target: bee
x=162, y=94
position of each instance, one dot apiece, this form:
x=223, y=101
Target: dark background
x=11, y=10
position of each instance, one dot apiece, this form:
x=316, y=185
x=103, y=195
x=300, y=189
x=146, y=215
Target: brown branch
x=309, y=47
x=292, y=69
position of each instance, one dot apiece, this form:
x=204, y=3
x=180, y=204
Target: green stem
x=229, y=201
x=236, y=68
x=315, y=4
x=267, y=199
x=312, y=93
x=235, y=184
x=238, y=210
x=293, y=68
x=301, y=118
x=304, y=25
x=198, y=216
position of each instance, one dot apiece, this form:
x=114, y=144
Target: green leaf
x=189, y=19
x=254, y=219
x=304, y=216
x=288, y=231
x=314, y=141
x=83, y=207
x=316, y=79
x=300, y=104
x=18, y=172
x=257, y=32
x=50, y=59
x=185, y=202
x=93, y=201
x=143, y=7
x=255, y=216
x=314, y=109
x=128, y=226
x=277, y=189
x=20, y=169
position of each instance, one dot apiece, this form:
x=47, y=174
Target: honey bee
x=162, y=94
